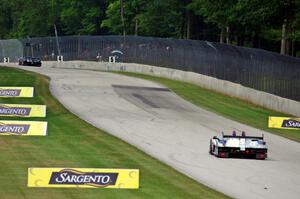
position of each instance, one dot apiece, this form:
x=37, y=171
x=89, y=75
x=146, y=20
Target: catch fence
x=255, y=68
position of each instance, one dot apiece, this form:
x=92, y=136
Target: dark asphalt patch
x=141, y=88
x=145, y=100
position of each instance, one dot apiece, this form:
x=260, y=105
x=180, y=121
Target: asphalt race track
x=176, y=132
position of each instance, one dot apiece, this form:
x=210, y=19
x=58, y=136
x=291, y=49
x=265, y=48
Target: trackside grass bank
x=221, y=104
x=74, y=143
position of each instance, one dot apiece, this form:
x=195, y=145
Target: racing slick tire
x=260, y=156
x=223, y=154
x=211, y=148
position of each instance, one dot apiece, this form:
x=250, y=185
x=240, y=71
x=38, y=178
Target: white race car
x=234, y=145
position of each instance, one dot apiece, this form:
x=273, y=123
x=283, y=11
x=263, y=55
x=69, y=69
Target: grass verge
x=74, y=143
x=230, y=107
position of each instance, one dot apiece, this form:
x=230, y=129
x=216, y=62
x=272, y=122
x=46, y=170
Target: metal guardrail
x=255, y=68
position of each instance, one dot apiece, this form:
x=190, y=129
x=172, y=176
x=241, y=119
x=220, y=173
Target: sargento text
x=291, y=123
x=79, y=178
x=14, y=111
x=14, y=128
x=10, y=92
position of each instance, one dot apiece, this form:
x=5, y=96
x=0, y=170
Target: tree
x=113, y=21
x=253, y=20
x=217, y=12
x=187, y=23
x=81, y=17
x=25, y=23
x=132, y=12
x=162, y=19
x=253, y=16
x=283, y=23
x=287, y=11
x=5, y=18
x=270, y=24
x=150, y=18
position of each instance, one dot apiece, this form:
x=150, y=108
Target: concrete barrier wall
x=260, y=98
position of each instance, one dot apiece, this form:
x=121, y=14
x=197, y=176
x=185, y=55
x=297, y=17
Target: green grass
x=224, y=105
x=74, y=143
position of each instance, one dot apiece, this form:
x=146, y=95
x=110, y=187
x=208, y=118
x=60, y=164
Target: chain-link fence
x=11, y=48
x=258, y=69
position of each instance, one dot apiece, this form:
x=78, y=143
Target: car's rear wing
x=241, y=136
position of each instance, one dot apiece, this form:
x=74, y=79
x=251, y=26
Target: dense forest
x=268, y=24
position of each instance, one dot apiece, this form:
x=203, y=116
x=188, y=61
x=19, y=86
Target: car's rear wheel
x=210, y=148
x=260, y=156
x=222, y=154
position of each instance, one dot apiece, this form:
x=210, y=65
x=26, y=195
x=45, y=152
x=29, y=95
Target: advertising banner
x=27, y=128
x=16, y=91
x=284, y=123
x=22, y=110
x=83, y=178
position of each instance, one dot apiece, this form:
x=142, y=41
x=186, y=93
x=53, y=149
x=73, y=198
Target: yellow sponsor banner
x=22, y=110
x=25, y=128
x=16, y=91
x=284, y=123
x=83, y=178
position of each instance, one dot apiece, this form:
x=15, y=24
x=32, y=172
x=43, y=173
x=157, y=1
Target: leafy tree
x=254, y=23
x=162, y=19
x=150, y=18
x=81, y=17
x=283, y=25
x=113, y=21
x=23, y=18
x=251, y=17
x=217, y=12
x=5, y=18
x=133, y=12
x=253, y=20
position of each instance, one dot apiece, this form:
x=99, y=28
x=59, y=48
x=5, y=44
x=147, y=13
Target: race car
x=30, y=61
x=239, y=146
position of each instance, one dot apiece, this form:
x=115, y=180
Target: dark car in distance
x=30, y=61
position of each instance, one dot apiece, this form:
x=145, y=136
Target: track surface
x=176, y=132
